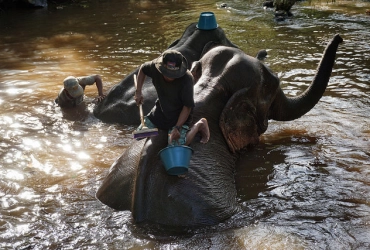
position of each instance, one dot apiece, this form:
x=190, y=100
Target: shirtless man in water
x=72, y=94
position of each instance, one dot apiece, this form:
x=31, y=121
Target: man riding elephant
x=173, y=109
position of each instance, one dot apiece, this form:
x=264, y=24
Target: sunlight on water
x=14, y=175
x=270, y=237
x=305, y=186
x=41, y=167
x=27, y=195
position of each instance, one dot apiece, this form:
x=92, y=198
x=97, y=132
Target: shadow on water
x=79, y=113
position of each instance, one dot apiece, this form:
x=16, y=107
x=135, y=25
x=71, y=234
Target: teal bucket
x=176, y=159
x=207, y=21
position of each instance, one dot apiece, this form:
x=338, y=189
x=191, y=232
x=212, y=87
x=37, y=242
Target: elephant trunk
x=289, y=108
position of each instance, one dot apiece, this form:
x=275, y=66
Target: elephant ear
x=173, y=43
x=196, y=70
x=210, y=45
x=238, y=121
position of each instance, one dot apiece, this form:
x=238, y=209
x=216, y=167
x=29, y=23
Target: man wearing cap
x=73, y=92
x=175, y=89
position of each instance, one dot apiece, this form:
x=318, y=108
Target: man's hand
x=175, y=135
x=139, y=99
x=101, y=97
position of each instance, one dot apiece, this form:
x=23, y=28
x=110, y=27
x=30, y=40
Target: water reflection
x=306, y=186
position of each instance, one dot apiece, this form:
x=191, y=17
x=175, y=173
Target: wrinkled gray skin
x=238, y=95
x=119, y=105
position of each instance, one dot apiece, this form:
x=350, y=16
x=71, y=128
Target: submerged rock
x=282, y=7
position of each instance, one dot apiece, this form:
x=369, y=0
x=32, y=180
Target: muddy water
x=306, y=186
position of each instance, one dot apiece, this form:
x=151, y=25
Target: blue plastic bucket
x=176, y=159
x=207, y=21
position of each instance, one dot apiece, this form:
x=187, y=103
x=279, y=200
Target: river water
x=305, y=186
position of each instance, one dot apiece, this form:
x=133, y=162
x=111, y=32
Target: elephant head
x=253, y=92
x=119, y=105
x=237, y=94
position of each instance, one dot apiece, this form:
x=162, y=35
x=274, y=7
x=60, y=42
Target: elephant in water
x=119, y=105
x=237, y=94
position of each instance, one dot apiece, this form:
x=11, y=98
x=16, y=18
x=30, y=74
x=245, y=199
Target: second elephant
x=119, y=105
